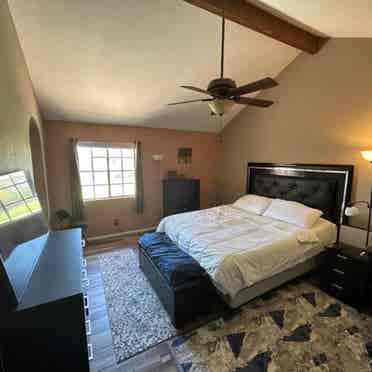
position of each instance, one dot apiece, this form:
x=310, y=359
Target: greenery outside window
x=106, y=171
x=17, y=199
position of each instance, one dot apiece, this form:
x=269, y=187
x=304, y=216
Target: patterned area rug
x=138, y=319
x=296, y=328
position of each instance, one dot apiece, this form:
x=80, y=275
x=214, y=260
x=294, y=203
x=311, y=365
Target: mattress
x=238, y=248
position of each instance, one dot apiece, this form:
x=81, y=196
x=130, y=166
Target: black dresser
x=180, y=195
x=46, y=331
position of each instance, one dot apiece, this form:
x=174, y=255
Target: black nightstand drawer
x=339, y=291
x=338, y=276
x=347, y=264
x=345, y=283
x=337, y=288
x=342, y=261
x=347, y=273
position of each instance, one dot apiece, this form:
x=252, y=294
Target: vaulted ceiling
x=121, y=62
x=335, y=18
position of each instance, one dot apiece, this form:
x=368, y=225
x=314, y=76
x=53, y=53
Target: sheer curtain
x=77, y=205
x=139, y=179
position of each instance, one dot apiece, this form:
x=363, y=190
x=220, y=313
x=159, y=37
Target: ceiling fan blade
x=193, y=100
x=265, y=83
x=253, y=101
x=196, y=89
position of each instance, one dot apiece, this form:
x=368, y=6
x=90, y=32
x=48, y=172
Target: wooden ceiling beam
x=262, y=21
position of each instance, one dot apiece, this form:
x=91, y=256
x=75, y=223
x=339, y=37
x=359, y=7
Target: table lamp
x=353, y=210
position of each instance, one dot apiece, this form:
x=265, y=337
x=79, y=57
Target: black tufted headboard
x=324, y=187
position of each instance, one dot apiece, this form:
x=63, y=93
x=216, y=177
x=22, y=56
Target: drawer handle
x=338, y=271
x=88, y=327
x=84, y=274
x=337, y=286
x=86, y=306
x=86, y=301
x=90, y=351
x=83, y=262
x=339, y=255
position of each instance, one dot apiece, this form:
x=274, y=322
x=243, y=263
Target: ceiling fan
x=223, y=92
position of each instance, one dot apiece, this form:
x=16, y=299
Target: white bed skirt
x=257, y=289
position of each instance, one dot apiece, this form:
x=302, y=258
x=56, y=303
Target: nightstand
x=346, y=274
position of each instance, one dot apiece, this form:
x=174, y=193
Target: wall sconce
x=158, y=157
x=353, y=210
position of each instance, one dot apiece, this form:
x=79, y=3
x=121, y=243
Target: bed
x=246, y=254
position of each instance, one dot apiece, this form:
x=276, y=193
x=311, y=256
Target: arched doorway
x=38, y=165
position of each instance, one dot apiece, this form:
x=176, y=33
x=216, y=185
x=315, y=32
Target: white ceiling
x=121, y=62
x=335, y=18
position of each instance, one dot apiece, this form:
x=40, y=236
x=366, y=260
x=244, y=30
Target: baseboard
x=117, y=236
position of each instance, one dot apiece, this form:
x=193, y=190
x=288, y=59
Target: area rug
x=296, y=328
x=137, y=318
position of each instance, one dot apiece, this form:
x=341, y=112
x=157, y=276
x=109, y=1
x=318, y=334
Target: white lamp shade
x=367, y=155
x=352, y=211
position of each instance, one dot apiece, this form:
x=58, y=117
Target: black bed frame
x=325, y=187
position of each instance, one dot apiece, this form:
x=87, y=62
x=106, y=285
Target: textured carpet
x=296, y=328
x=137, y=318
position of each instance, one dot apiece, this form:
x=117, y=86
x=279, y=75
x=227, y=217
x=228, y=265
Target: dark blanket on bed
x=176, y=265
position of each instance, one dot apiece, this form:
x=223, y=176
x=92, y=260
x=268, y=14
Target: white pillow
x=253, y=203
x=293, y=212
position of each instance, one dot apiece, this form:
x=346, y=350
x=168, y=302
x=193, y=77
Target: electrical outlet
x=116, y=222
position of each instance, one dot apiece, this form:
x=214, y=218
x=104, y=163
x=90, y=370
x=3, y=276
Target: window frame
x=22, y=200
x=108, y=170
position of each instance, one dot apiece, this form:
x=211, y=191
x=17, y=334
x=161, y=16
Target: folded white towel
x=307, y=236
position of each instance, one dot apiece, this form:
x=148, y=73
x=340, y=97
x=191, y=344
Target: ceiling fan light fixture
x=223, y=92
x=220, y=106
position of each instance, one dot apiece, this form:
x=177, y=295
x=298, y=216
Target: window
x=17, y=199
x=107, y=171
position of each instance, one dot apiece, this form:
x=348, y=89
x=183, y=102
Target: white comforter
x=238, y=248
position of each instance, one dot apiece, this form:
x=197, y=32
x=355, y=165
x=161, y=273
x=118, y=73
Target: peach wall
x=18, y=107
x=322, y=114
x=100, y=214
